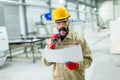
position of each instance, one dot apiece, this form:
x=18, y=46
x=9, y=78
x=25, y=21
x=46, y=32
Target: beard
x=63, y=31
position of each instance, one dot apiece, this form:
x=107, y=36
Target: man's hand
x=72, y=65
x=53, y=41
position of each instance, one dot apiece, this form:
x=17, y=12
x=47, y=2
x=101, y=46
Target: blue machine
x=48, y=16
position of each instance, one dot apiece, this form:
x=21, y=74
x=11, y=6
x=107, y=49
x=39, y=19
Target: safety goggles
x=62, y=22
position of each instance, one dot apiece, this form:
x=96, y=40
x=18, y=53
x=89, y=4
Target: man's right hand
x=53, y=41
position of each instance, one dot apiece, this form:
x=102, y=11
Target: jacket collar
x=69, y=36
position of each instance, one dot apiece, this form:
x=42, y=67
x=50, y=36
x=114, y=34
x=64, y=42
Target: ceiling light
x=62, y=1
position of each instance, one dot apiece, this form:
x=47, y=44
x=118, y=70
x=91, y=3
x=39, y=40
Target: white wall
x=106, y=12
x=33, y=13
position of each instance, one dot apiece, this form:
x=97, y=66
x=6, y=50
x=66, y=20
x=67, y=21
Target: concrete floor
x=106, y=66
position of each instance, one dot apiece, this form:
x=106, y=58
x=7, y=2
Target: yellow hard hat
x=60, y=13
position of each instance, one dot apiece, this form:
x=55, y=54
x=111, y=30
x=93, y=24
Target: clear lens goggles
x=61, y=22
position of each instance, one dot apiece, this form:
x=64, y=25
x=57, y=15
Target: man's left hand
x=72, y=65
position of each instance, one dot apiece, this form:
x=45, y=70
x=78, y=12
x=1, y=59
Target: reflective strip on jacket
x=60, y=71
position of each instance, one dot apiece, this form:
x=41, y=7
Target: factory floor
x=105, y=66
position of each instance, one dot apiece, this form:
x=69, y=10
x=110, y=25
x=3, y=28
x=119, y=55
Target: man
x=65, y=38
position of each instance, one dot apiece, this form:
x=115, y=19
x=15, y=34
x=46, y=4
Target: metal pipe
x=25, y=18
x=20, y=3
x=113, y=10
x=26, y=4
